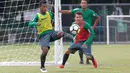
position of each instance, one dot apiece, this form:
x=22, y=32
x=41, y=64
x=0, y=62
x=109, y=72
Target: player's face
x=78, y=18
x=83, y=4
x=43, y=8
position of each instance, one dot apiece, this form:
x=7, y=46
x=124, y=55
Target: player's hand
x=93, y=27
x=38, y=24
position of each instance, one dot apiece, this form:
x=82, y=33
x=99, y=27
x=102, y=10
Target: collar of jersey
x=42, y=13
x=84, y=10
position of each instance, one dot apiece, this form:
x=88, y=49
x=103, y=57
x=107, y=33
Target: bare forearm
x=65, y=11
x=96, y=22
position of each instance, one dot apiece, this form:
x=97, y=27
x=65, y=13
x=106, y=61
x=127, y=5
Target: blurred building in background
x=17, y=13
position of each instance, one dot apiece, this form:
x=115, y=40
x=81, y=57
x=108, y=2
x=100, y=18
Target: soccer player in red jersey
x=83, y=38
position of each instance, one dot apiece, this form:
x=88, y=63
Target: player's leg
x=81, y=57
x=66, y=55
x=81, y=52
x=89, y=51
x=45, y=45
x=58, y=34
x=68, y=36
x=89, y=55
x=72, y=49
x=43, y=58
x=65, y=58
x=55, y=35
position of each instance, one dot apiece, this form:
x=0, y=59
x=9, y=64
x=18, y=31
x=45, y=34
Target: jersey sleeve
x=34, y=21
x=73, y=11
x=90, y=38
x=94, y=14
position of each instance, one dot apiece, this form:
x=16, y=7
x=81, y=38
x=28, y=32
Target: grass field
x=110, y=58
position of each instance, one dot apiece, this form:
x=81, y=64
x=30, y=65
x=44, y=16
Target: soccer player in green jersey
x=46, y=34
x=87, y=16
x=82, y=40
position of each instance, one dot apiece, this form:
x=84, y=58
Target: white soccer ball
x=74, y=28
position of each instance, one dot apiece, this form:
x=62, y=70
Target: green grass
x=110, y=58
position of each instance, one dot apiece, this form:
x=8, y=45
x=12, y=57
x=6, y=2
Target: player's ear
x=87, y=5
x=75, y=18
x=80, y=4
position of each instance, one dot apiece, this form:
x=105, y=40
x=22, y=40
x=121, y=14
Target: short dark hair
x=78, y=13
x=42, y=2
x=84, y=0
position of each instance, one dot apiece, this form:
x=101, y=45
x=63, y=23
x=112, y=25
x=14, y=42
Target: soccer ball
x=74, y=28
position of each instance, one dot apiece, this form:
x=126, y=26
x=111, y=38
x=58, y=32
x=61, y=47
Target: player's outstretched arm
x=34, y=21
x=73, y=11
x=65, y=11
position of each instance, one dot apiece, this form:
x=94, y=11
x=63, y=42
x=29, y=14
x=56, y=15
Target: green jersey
x=87, y=14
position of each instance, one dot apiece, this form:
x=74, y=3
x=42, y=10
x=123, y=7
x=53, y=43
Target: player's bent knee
x=44, y=50
x=60, y=34
x=68, y=52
